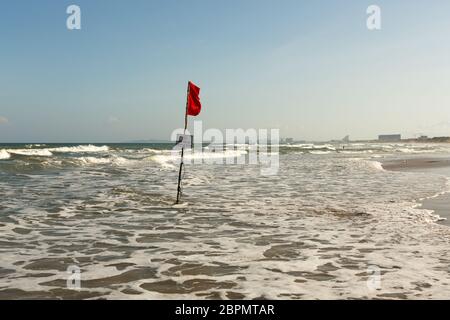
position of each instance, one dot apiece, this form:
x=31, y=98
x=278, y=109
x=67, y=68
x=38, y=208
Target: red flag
x=193, y=104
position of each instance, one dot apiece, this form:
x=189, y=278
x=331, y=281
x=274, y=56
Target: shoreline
x=440, y=204
x=416, y=164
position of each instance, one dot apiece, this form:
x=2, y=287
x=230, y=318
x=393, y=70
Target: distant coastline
x=409, y=140
x=428, y=140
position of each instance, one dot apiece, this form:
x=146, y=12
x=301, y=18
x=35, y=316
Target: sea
x=99, y=221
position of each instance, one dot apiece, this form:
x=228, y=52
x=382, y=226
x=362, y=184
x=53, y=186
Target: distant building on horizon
x=389, y=137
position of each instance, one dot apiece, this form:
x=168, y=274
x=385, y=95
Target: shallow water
x=317, y=229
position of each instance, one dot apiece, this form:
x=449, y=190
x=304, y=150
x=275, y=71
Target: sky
x=309, y=68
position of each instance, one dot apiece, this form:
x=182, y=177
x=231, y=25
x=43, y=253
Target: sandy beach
x=440, y=204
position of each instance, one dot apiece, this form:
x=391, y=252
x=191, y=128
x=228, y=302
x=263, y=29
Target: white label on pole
x=184, y=141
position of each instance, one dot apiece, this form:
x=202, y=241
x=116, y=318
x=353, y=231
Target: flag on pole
x=193, y=104
x=193, y=108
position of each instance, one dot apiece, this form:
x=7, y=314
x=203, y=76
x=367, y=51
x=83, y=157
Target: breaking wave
x=31, y=152
x=367, y=164
x=81, y=149
x=4, y=155
x=110, y=160
x=48, y=152
x=168, y=160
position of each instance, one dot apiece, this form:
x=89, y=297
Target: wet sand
x=441, y=204
x=420, y=164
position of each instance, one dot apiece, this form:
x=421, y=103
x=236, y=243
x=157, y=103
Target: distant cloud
x=3, y=120
x=113, y=120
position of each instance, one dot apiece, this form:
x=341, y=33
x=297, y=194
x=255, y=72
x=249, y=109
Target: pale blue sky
x=310, y=68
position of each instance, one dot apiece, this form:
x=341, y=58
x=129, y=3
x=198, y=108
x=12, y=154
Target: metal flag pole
x=182, y=148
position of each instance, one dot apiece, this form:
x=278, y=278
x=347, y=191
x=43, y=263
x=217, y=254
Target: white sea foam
x=4, y=155
x=81, y=149
x=48, y=152
x=168, y=161
x=405, y=150
x=376, y=165
x=31, y=152
x=93, y=160
x=115, y=160
x=164, y=161
x=156, y=151
x=35, y=145
x=365, y=163
x=303, y=146
x=308, y=146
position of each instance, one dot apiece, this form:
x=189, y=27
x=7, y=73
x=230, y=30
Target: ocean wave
x=216, y=155
x=4, y=155
x=164, y=161
x=31, y=152
x=115, y=160
x=81, y=149
x=309, y=146
x=48, y=152
x=320, y=152
x=371, y=164
x=93, y=160
x=376, y=165
x=397, y=148
x=167, y=161
x=156, y=151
